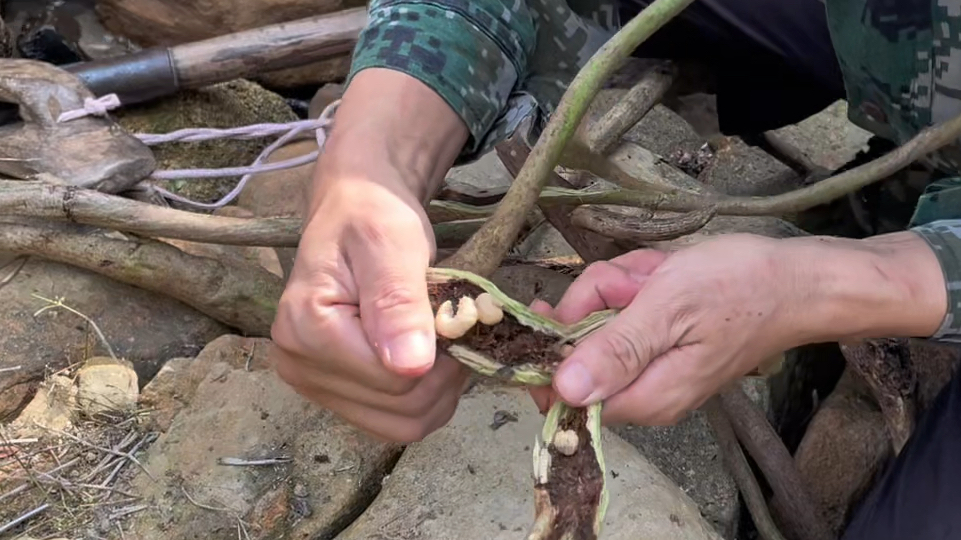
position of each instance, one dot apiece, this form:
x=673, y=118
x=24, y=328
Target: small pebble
x=300, y=490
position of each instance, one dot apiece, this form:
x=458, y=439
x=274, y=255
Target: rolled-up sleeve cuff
x=471, y=53
x=944, y=237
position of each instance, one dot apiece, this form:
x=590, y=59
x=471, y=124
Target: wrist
x=885, y=286
x=388, y=120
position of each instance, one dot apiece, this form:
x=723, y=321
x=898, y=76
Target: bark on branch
x=244, y=297
x=772, y=457
x=486, y=249
x=739, y=468
x=89, y=207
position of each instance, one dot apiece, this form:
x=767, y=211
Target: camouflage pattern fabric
x=500, y=62
x=495, y=62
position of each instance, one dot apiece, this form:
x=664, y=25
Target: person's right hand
x=354, y=331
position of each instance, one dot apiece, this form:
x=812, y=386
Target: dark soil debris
x=575, y=483
x=509, y=342
x=501, y=418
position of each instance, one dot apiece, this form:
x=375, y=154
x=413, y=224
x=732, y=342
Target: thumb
x=395, y=310
x=611, y=358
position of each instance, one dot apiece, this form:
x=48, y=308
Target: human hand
x=354, y=331
x=691, y=322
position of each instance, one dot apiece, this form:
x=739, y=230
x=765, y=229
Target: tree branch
x=739, y=468
x=89, y=207
x=606, y=132
x=774, y=460
x=484, y=251
x=243, y=297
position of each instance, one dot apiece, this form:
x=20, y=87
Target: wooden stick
x=590, y=245
x=739, y=468
x=774, y=460
x=279, y=46
x=606, y=132
x=486, y=249
x=89, y=207
x=243, y=297
x=160, y=71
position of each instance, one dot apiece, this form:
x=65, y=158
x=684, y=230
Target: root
x=486, y=249
x=242, y=297
x=772, y=457
x=605, y=133
x=739, y=468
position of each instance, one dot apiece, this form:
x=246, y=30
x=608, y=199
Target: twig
x=116, y=470
x=30, y=475
x=24, y=517
x=241, y=528
x=9, y=369
x=125, y=455
x=488, y=247
x=23, y=487
x=58, y=303
x=741, y=471
x=128, y=510
x=106, y=461
x=240, y=462
x=14, y=442
x=802, y=517
x=201, y=505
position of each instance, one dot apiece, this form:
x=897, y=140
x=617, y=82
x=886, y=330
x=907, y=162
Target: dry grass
x=65, y=482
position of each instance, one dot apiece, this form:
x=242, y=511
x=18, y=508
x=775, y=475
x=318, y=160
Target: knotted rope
x=289, y=130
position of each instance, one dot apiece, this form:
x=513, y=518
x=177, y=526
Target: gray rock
x=469, y=480
x=486, y=172
x=688, y=454
x=235, y=413
x=828, y=138
x=56, y=338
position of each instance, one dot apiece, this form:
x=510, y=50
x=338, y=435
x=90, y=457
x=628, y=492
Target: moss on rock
x=225, y=105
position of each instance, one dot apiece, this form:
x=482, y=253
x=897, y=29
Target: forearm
x=885, y=286
x=389, y=118
x=473, y=55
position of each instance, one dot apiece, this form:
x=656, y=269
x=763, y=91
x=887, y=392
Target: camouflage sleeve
x=944, y=237
x=473, y=54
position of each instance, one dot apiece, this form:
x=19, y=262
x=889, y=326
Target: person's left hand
x=692, y=322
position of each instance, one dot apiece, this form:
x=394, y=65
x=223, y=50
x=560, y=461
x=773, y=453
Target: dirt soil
x=575, y=482
x=509, y=342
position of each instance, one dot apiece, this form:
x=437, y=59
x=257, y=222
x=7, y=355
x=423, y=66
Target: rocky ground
x=203, y=441
x=204, y=399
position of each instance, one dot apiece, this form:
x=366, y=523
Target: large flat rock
x=226, y=411
x=470, y=480
x=49, y=341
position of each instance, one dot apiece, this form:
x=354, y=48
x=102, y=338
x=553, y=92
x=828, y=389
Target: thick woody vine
x=476, y=322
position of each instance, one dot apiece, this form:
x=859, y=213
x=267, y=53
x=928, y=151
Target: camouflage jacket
x=498, y=62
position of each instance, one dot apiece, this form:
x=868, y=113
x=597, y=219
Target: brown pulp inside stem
x=508, y=342
x=575, y=482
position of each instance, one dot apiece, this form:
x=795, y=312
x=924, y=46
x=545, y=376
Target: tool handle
x=279, y=46
x=160, y=71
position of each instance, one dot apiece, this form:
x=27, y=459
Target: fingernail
x=409, y=351
x=574, y=383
